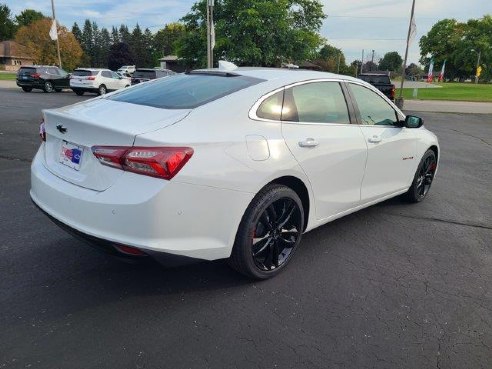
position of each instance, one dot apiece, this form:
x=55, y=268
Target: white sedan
x=217, y=164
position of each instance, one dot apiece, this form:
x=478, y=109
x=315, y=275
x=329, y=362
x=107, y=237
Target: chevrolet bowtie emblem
x=60, y=128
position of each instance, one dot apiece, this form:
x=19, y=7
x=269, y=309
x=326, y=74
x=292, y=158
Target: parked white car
x=227, y=164
x=95, y=80
x=127, y=69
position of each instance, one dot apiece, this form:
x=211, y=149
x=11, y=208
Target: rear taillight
x=91, y=78
x=42, y=131
x=35, y=75
x=160, y=162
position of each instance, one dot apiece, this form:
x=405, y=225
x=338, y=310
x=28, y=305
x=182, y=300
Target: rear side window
x=317, y=102
x=83, y=73
x=106, y=73
x=185, y=91
x=271, y=107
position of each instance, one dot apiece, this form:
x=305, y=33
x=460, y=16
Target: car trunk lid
x=73, y=130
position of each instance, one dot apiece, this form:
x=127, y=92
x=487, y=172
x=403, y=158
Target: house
x=13, y=56
x=173, y=63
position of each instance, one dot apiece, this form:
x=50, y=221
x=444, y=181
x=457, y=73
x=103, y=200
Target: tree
x=391, y=61
x=166, y=39
x=413, y=70
x=35, y=37
x=105, y=44
x=77, y=32
x=119, y=54
x=7, y=26
x=331, y=59
x=125, y=35
x=27, y=16
x=254, y=32
x=115, y=36
x=87, y=42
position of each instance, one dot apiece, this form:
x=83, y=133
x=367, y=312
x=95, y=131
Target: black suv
x=146, y=74
x=46, y=78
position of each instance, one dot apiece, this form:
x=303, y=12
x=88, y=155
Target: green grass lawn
x=452, y=91
x=7, y=76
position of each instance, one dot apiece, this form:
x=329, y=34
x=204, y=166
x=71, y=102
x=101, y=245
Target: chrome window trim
x=252, y=112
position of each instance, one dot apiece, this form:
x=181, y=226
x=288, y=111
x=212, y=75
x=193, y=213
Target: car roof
x=281, y=74
x=92, y=69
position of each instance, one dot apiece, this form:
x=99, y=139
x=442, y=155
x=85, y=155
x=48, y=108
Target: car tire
x=78, y=92
x=27, y=89
x=58, y=89
x=423, y=178
x=269, y=233
x=102, y=90
x=48, y=87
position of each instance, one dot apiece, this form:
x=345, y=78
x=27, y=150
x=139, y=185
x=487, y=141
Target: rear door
x=331, y=151
x=391, y=148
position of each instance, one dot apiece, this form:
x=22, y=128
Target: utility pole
x=372, y=58
x=478, y=64
x=338, y=64
x=210, y=33
x=362, y=62
x=57, y=41
x=406, y=53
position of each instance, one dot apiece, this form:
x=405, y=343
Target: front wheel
x=423, y=178
x=269, y=233
x=48, y=87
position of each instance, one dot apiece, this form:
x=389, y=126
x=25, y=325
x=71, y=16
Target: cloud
x=354, y=25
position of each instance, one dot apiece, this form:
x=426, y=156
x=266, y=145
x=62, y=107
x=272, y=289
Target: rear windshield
x=184, y=91
x=144, y=74
x=27, y=70
x=84, y=73
x=375, y=79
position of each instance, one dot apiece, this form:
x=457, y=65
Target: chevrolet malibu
x=227, y=164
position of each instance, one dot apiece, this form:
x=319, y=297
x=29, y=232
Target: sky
x=351, y=25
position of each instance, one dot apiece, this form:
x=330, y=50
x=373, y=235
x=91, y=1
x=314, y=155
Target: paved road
x=393, y=286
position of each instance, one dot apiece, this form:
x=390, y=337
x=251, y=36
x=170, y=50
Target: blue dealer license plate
x=71, y=155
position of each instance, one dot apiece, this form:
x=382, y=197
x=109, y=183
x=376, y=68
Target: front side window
x=374, y=110
x=317, y=102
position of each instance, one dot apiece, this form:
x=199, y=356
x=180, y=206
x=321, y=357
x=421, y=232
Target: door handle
x=375, y=139
x=308, y=142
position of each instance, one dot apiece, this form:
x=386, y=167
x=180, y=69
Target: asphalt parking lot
x=392, y=286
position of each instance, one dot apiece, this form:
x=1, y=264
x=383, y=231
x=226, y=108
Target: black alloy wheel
x=423, y=177
x=269, y=233
x=48, y=87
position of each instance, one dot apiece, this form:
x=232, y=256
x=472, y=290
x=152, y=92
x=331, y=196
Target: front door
x=391, y=148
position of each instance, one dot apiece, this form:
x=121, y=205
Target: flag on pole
x=413, y=30
x=441, y=75
x=53, y=31
x=430, y=75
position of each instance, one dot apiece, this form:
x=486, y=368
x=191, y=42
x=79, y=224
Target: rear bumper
x=30, y=84
x=148, y=213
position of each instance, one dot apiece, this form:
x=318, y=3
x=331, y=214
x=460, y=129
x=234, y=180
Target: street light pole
x=478, y=64
x=400, y=98
x=210, y=33
x=338, y=64
x=57, y=41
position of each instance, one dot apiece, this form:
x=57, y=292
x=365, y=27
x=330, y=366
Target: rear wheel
x=269, y=233
x=27, y=89
x=48, y=87
x=102, y=90
x=79, y=92
x=423, y=178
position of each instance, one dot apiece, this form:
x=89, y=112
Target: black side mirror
x=411, y=121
